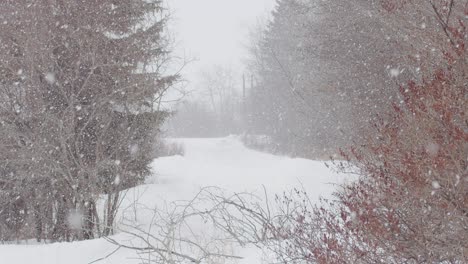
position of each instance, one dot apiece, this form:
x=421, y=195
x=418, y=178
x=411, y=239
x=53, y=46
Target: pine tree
x=79, y=79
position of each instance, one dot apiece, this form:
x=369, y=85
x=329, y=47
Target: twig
x=107, y=256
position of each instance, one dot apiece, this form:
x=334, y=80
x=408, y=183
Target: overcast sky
x=215, y=31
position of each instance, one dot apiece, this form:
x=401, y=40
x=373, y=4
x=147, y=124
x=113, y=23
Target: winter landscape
x=222, y=131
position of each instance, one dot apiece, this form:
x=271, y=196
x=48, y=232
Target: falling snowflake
x=50, y=78
x=432, y=149
x=117, y=180
x=75, y=219
x=394, y=72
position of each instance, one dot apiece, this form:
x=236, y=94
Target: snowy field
x=222, y=162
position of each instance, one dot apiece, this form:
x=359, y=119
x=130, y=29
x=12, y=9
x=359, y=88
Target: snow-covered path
x=226, y=163
x=222, y=162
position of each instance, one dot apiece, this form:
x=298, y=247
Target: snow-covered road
x=226, y=163
x=221, y=162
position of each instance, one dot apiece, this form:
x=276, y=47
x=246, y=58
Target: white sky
x=215, y=32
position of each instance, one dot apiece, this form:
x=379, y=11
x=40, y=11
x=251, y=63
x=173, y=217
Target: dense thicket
x=323, y=69
x=78, y=80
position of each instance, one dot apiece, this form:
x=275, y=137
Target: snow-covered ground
x=222, y=162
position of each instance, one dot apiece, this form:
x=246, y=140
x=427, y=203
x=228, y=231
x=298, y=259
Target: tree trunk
x=112, y=203
x=88, y=218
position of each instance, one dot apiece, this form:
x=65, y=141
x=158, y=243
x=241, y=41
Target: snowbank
x=222, y=162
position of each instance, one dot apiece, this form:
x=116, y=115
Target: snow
x=432, y=149
x=50, y=78
x=394, y=72
x=226, y=163
x=75, y=220
x=221, y=162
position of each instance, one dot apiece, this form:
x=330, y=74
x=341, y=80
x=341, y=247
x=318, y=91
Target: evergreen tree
x=78, y=83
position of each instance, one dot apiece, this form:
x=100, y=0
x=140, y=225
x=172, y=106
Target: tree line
x=325, y=69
